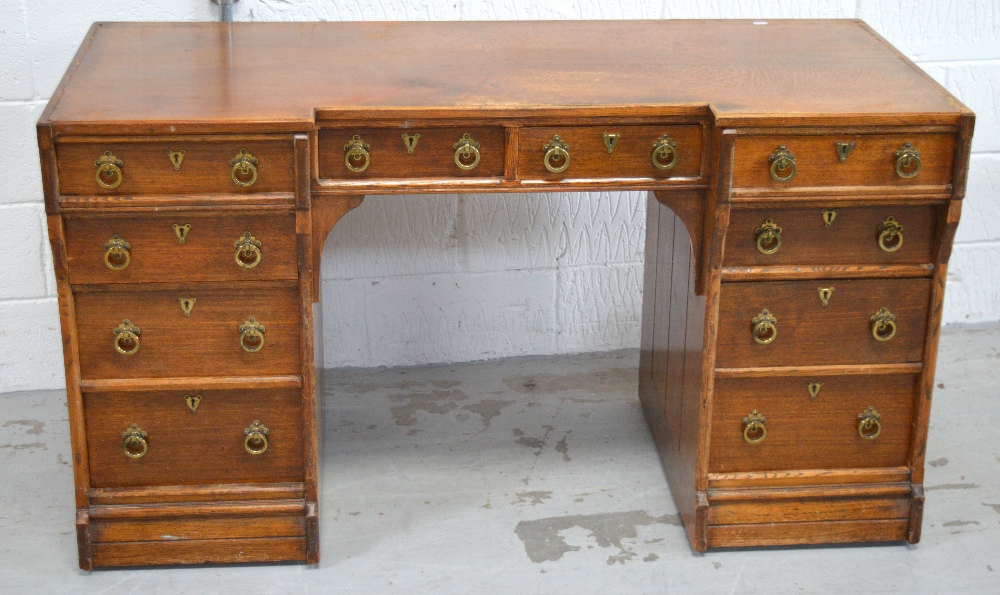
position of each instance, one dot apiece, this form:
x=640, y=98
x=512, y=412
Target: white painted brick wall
x=421, y=279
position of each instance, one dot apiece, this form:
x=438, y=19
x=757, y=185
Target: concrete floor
x=528, y=475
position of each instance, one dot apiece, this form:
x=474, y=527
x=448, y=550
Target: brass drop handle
x=883, y=324
x=466, y=153
x=255, y=442
x=890, y=235
x=251, y=335
x=765, y=327
x=356, y=156
x=127, y=338
x=247, y=251
x=109, y=171
x=754, y=428
x=116, y=253
x=869, y=423
x=907, y=161
x=244, y=172
x=768, y=237
x=782, y=164
x=556, y=155
x=664, y=152
x=134, y=442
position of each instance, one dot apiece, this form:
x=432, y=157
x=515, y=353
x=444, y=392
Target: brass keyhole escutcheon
x=255, y=442
x=883, y=324
x=664, y=154
x=844, y=149
x=782, y=164
x=109, y=171
x=768, y=237
x=244, y=172
x=825, y=293
x=187, y=304
x=248, y=253
x=556, y=155
x=813, y=388
x=611, y=141
x=182, y=231
x=829, y=215
x=754, y=429
x=116, y=253
x=192, y=402
x=869, y=423
x=890, y=235
x=410, y=140
x=176, y=158
x=765, y=327
x=127, y=337
x=466, y=152
x=134, y=442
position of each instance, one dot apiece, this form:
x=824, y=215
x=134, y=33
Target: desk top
x=210, y=77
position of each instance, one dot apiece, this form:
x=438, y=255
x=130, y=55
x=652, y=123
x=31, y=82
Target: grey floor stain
x=938, y=462
x=952, y=486
x=487, y=409
x=542, y=541
x=652, y=557
x=598, y=382
x=717, y=565
x=534, y=497
x=995, y=507
x=362, y=388
x=536, y=443
x=34, y=426
x=959, y=523
x=40, y=445
x=436, y=401
x=563, y=447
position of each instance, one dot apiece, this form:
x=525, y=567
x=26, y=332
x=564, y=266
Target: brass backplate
x=182, y=232
x=829, y=215
x=825, y=293
x=176, y=158
x=814, y=389
x=611, y=140
x=844, y=149
x=187, y=304
x=410, y=140
x=192, y=402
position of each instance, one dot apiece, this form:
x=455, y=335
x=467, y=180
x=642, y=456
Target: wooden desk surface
x=131, y=77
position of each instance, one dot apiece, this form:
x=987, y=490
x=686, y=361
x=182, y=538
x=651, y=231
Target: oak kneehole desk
x=805, y=182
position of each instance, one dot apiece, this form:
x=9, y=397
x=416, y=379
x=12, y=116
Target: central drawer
x=215, y=337
x=785, y=323
x=178, y=440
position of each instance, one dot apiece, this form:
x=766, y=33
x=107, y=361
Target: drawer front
x=808, y=333
x=207, y=342
x=180, y=247
x=802, y=431
x=871, y=162
x=384, y=153
x=152, y=167
x=182, y=447
x=855, y=235
x=589, y=156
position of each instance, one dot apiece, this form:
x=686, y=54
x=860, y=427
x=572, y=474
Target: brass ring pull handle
x=116, y=253
x=244, y=172
x=765, y=327
x=883, y=324
x=465, y=149
x=127, y=338
x=255, y=442
x=782, y=164
x=252, y=335
x=356, y=156
x=754, y=430
x=247, y=251
x=134, y=442
x=768, y=237
x=664, y=152
x=869, y=423
x=109, y=171
x=556, y=155
x=890, y=235
x=907, y=161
